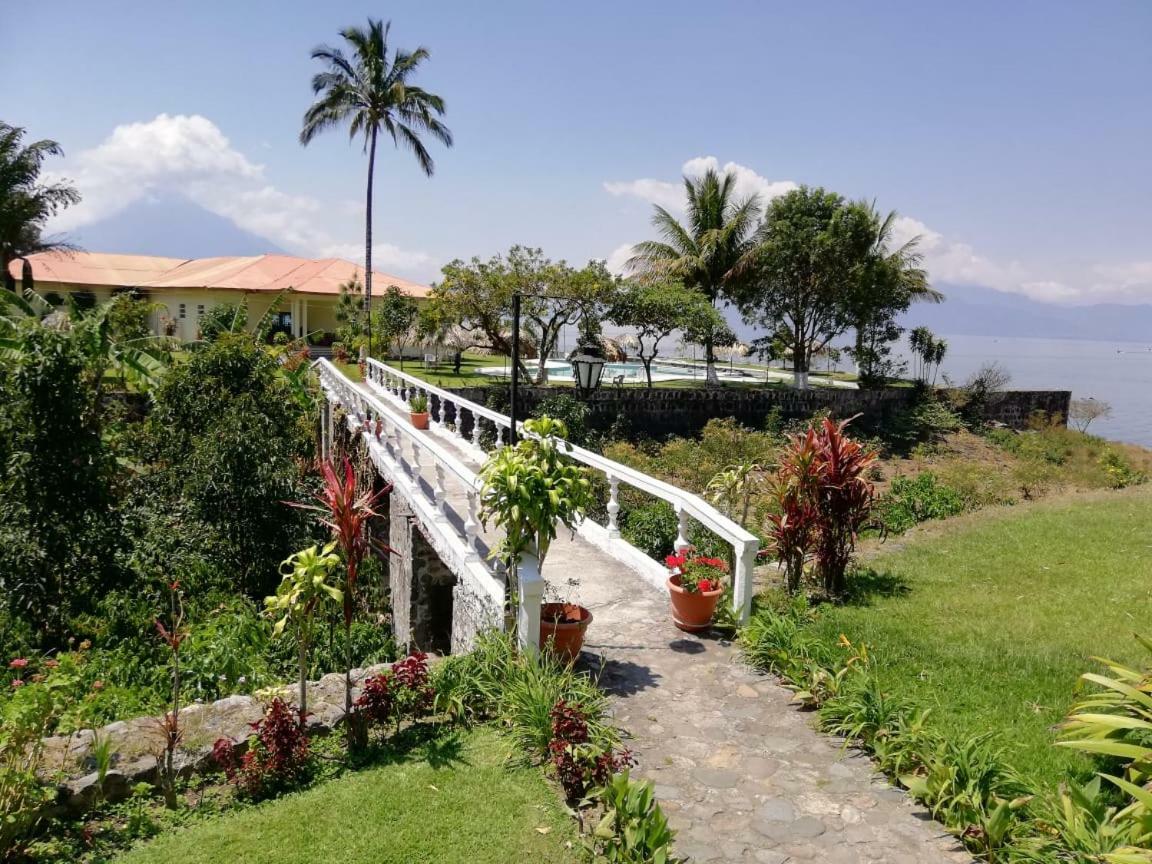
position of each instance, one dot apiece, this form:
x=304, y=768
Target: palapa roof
x=243, y=273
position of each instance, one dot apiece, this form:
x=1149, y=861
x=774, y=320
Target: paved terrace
x=741, y=773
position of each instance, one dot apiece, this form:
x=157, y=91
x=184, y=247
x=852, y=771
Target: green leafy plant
x=912, y=500
x=530, y=489
x=1120, y=474
x=652, y=528
x=633, y=829
x=1080, y=823
x=304, y=590
x=1116, y=722
x=418, y=404
x=345, y=509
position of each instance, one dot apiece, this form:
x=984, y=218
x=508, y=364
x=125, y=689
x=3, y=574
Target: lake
x=1119, y=373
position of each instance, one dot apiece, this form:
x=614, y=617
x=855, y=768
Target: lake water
x=1119, y=373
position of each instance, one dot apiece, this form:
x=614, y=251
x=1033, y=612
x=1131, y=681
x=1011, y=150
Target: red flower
x=97, y=685
x=17, y=683
x=706, y=585
x=675, y=562
x=18, y=663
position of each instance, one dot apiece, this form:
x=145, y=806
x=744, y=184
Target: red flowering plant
x=698, y=573
x=278, y=757
x=581, y=764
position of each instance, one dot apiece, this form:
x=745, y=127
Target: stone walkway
x=741, y=773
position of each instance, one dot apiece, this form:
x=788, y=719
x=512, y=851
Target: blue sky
x=1016, y=137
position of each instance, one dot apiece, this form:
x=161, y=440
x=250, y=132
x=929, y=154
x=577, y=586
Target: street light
x=587, y=368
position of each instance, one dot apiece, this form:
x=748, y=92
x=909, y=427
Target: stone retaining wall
x=138, y=744
x=674, y=411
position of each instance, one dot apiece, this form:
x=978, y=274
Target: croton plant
x=697, y=572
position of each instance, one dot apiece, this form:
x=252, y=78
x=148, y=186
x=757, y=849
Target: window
x=199, y=311
x=183, y=310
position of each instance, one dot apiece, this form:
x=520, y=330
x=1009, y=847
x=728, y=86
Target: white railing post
x=529, y=598
x=439, y=491
x=476, y=430
x=472, y=524
x=613, y=506
x=681, y=529
x=742, y=579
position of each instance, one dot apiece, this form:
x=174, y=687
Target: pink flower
x=17, y=683
x=97, y=685
x=18, y=663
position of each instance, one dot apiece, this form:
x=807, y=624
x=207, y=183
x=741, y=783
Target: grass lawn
x=451, y=802
x=997, y=614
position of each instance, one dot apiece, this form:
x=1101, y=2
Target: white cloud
x=947, y=260
x=670, y=196
x=191, y=156
x=618, y=260
x=384, y=255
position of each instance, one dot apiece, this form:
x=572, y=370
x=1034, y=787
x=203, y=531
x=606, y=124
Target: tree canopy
x=703, y=252
x=26, y=203
x=655, y=310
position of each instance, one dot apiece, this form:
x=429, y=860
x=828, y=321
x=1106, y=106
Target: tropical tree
x=370, y=91
x=1081, y=412
x=654, y=310
x=807, y=254
x=929, y=352
x=555, y=295
x=26, y=203
x=887, y=281
x=394, y=320
x=435, y=326
x=703, y=253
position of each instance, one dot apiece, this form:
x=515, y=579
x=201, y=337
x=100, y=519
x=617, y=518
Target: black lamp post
x=587, y=367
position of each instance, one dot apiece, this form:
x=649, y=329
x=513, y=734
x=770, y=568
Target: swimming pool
x=625, y=373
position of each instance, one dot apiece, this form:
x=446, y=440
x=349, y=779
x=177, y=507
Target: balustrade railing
x=400, y=386
x=442, y=490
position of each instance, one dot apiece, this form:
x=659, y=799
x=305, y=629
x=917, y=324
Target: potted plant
x=695, y=586
x=418, y=406
x=529, y=490
x=563, y=624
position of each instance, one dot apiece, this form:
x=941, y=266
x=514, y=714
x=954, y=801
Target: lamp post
x=587, y=368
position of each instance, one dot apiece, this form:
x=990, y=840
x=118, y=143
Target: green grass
x=446, y=805
x=996, y=615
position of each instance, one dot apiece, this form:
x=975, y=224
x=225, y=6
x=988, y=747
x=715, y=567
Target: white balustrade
x=687, y=505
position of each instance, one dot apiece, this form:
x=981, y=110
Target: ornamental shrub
x=401, y=693
x=278, y=758
x=912, y=500
x=581, y=763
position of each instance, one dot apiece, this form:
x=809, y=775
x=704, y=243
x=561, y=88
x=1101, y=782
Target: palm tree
x=26, y=203
x=890, y=280
x=703, y=252
x=370, y=91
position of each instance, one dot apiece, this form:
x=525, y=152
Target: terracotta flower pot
x=692, y=612
x=420, y=421
x=566, y=637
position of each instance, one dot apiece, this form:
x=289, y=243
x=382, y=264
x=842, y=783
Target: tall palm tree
x=26, y=203
x=369, y=91
x=702, y=252
x=890, y=280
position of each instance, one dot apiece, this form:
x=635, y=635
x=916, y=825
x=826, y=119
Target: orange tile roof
x=251, y=273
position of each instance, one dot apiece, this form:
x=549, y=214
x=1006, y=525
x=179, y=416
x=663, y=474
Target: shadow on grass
x=868, y=584
x=438, y=745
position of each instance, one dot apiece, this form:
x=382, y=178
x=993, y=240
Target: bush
x=651, y=528
x=1119, y=473
x=926, y=421
x=573, y=411
x=580, y=763
x=634, y=830
x=223, y=318
x=402, y=693
x=910, y=501
x=278, y=757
